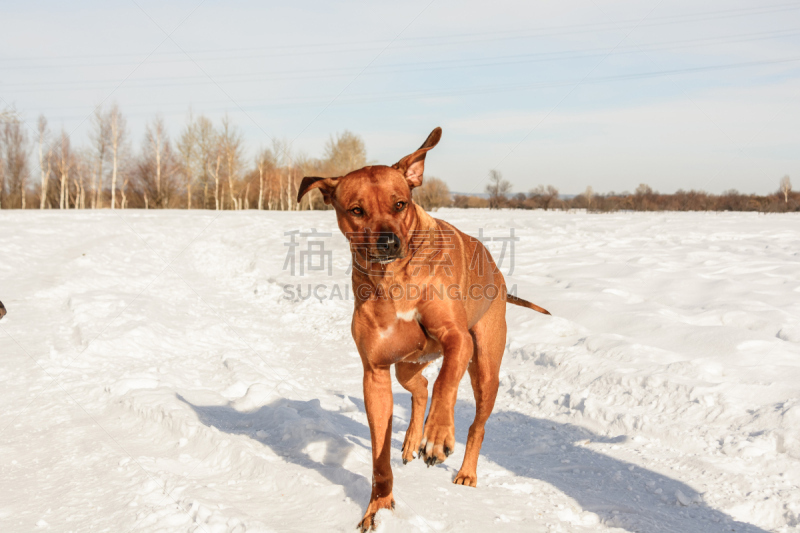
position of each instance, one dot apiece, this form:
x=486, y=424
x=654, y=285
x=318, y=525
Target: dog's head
x=373, y=205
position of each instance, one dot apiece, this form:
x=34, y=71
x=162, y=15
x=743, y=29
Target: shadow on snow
x=622, y=494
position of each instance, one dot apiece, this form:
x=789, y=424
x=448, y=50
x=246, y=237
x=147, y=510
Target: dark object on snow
x=2, y=310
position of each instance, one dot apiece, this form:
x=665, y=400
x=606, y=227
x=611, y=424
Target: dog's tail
x=2, y=310
x=510, y=298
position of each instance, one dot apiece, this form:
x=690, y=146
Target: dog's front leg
x=439, y=437
x=378, y=401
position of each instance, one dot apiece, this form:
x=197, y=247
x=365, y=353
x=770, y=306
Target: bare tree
x=497, y=189
x=588, y=195
x=82, y=165
x=786, y=188
x=543, y=197
x=158, y=143
x=118, y=135
x=344, y=153
x=643, y=197
x=64, y=160
x=265, y=161
x=44, y=162
x=432, y=194
x=15, y=161
x=8, y=115
x=123, y=190
x=152, y=178
x=550, y=197
x=187, y=146
x=2, y=170
x=100, y=136
x=214, y=171
x=291, y=186
x=231, y=150
x=468, y=201
x=208, y=153
x=283, y=154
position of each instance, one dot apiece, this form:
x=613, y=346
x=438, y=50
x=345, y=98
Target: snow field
x=157, y=378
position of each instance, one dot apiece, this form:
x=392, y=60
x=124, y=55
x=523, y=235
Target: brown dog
x=422, y=290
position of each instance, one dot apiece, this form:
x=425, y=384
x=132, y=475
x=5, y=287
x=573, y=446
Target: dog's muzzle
x=387, y=249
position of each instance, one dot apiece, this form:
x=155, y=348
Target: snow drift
x=164, y=371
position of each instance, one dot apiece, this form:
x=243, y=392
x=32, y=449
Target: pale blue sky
x=675, y=94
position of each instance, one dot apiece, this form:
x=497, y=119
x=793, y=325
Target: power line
x=289, y=103
x=453, y=39
x=496, y=61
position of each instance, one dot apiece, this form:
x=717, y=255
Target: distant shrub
x=432, y=194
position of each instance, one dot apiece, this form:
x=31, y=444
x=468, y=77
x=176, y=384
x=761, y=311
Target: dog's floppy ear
x=413, y=165
x=325, y=185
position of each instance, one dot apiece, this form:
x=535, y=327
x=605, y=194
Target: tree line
x=204, y=167
x=434, y=194
x=644, y=198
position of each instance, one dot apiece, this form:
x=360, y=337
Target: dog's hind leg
x=489, y=336
x=410, y=377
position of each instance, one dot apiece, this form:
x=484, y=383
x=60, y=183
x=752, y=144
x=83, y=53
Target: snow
x=157, y=377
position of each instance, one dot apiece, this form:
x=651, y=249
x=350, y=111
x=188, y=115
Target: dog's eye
x=399, y=205
x=357, y=211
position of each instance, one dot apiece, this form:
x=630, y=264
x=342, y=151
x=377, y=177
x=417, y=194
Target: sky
x=674, y=94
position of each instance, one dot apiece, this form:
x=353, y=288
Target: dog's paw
x=411, y=445
x=437, y=444
x=368, y=523
x=468, y=479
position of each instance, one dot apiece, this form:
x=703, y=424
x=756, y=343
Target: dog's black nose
x=388, y=244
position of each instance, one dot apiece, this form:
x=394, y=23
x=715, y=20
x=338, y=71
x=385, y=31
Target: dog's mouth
x=382, y=260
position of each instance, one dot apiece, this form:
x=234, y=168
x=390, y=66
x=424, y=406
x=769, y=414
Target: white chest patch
x=409, y=315
x=386, y=332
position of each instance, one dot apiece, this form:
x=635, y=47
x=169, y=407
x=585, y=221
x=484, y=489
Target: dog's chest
x=386, y=335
